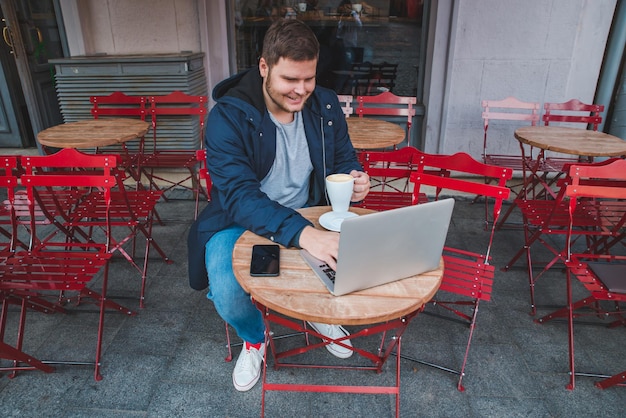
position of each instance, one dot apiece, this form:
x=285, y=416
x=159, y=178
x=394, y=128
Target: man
x=271, y=140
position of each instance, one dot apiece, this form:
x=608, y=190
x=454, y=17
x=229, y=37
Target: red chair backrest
x=459, y=166
x=69, y=169
x=388, y=104
x=510, y=108
x=381, y=105
x=406, y=157
x=462, y=163
x=178, y=103
x=118, y=104
x=8, y=182
x=604, y=181
x=573, y=111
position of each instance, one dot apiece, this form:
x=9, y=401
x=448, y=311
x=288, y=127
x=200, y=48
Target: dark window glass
x=366, y=48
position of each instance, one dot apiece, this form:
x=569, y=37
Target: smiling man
x=271, y=139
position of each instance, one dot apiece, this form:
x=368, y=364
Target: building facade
x=535, y=50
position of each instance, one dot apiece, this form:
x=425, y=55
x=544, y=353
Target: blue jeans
x=232, y=303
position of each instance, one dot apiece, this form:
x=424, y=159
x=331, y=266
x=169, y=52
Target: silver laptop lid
x=390, y=245
x=382, y=247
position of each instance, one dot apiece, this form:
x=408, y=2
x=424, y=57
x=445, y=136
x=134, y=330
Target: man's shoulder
x=324, y=99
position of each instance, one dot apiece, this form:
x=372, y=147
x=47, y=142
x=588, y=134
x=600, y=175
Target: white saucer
x=332, y=220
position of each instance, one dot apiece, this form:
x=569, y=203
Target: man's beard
x=273, y=95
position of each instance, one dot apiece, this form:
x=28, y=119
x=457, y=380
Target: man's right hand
x=321, y=244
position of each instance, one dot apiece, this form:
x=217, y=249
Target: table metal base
x=398, y=326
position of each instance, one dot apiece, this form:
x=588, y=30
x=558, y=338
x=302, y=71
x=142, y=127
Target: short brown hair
x=291, y=39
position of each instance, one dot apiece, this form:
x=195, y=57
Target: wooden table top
x=572, y=141
x=93, y=133
x=299, y=293
x=369, y=133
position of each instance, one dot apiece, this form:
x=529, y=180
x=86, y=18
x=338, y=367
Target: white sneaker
x=248, y=368
x=334, y=332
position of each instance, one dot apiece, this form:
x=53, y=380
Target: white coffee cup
x=339, y=188
x=357, y=7
x=302, y=7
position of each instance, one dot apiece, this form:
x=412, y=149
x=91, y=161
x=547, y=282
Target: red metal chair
x=548, y=218
x=118, y=104
x=597, y=189
x=573, y=111
x=513, y=110
x=130, y=212
x=34, y=278
x=389, y=106
x=510, y=112
x=468, y=276
x=390, y=173
x=172, y=114
x=569, y=113
x=8, y=181
x=545, y=170
x=204, y=177
x=8, y=184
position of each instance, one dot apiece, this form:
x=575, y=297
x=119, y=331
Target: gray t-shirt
x=288, y=180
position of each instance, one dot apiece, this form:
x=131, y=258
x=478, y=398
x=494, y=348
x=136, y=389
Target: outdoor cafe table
x=370, y=133
x=299, y=295
x=93, y=133
x=573, y=141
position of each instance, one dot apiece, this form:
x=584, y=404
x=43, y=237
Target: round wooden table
x=369, y=133
x=299, y=293
x=93, y=133
x=572, y=141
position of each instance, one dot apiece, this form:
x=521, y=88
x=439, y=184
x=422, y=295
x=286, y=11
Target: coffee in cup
x=339, y=188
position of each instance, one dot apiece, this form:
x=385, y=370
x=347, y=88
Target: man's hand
x=361, y=185
x=321, y=244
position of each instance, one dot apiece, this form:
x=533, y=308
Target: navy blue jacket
x=241, y=146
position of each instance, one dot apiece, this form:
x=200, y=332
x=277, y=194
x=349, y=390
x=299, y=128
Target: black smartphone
x=265, y=260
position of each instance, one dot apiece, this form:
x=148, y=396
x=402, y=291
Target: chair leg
x=531, y=282
x=15, y=353
x=105, y=278
x=570, y=331
x=229, y=357
x=618, y=379
x=505, y=216
x=20, y=335
x=472, y=327
x=104, y=304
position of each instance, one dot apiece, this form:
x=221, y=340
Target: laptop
x=386, y=246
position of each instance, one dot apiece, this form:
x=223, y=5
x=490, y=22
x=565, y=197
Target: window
x=356, y=39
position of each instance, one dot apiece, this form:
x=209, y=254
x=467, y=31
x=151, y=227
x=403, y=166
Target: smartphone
x=265, y=260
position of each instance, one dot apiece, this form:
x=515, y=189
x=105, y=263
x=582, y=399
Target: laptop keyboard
x=330, y=273
x=318, y=266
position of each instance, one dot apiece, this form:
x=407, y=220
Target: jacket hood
x=246, y=86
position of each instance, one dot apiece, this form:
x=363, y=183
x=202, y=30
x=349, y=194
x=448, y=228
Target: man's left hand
x=361, y=185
